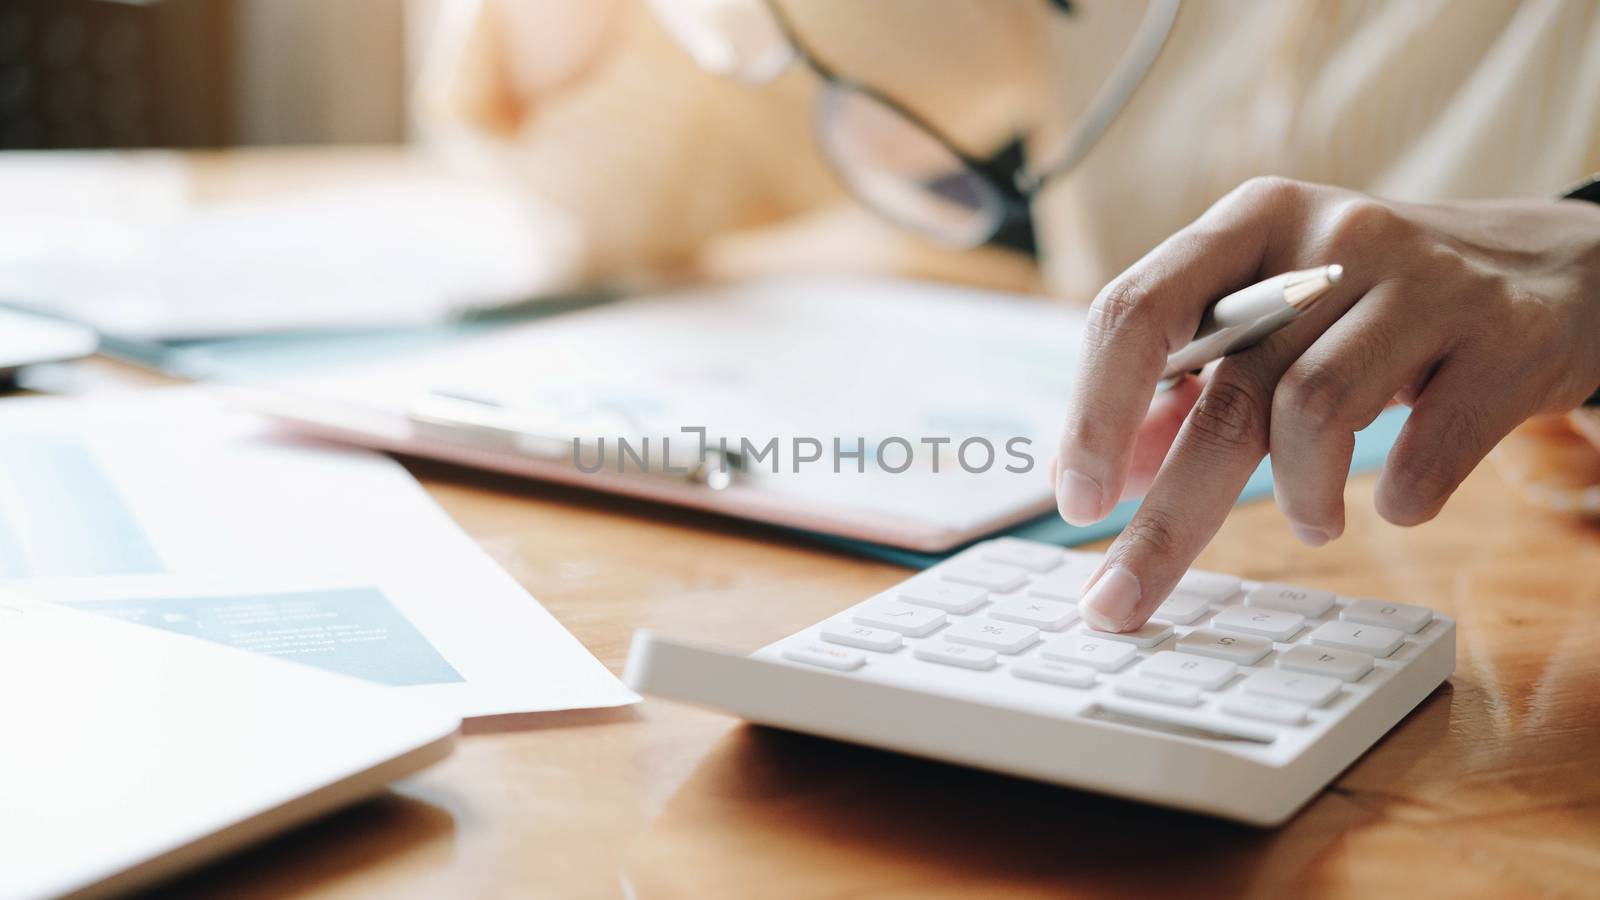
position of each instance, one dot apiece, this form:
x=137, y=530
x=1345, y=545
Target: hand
x=1477, y=315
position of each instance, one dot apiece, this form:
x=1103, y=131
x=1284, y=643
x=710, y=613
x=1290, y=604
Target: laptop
x=128, y=754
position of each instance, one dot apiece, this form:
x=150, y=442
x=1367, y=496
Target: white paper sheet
x=116, y=242
x=160, y=508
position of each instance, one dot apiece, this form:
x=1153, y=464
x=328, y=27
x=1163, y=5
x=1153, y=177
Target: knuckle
x=1269, y=191
x=1313, y=395
x=1155, y=533
x=1462, y=427
x=1440, y=260
x=1119, y=309
x=1361, y=222
x=1230, y=415
x=1541, y=331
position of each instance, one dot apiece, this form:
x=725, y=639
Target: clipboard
x=864, y=360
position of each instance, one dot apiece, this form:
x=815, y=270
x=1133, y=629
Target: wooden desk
x=1490, y=788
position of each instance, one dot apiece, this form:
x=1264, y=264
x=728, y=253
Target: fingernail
x=1078, y=496
x=1110, y=604
x=1310, y=535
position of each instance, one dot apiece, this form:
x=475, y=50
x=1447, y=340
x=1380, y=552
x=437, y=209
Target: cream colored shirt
x=653, y=161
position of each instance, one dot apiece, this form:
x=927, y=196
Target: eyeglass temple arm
x=802, y=51
x=1130, y=72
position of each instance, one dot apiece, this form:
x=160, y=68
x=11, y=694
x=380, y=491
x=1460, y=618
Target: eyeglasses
x=891, y=159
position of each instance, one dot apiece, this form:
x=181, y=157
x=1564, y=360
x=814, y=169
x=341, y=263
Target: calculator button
x=945, y=595
x=1063, y=584
x=1215, y=587
x=1148, y=635
x=880, y=639
x=963, y=655
x=1107, y=656
x=1235, y=648
x=1268, y=623
x=1181, y=608
x=825, y=656
x=1027, y=554
x=1051, y=615
x=1068, y=674
x=1409, y=619
x=1304, y=601
x=1200, y=671
x=1312, y=690
x=994, y=576
x=1345, y=665
x=1374, y=639
x=1159, y=691
x=1262, y=709
x=1005, y=637
x=914, y=621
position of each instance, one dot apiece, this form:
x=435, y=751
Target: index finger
x=1219, y=446
x=1145, y=313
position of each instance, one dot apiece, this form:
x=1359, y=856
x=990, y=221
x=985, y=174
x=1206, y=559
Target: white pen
x=1241, y=319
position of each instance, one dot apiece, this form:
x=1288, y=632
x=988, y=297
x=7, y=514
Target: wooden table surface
x=1490, y=788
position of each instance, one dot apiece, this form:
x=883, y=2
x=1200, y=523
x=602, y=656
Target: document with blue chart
x=164, y=509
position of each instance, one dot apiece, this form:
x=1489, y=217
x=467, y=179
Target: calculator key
x=1306, y=602
x=1374, y=639
x=914, y=621
x=1235, y=648
x=1409, y=619
x=1215, y=587
x=993, y=576
x=1026, y=554
x=1005, y=637
x=1159, y=691
x=1068, y=674
x=1345, y=665
x=940, y=594
x=964, y=655
x=1051, y=615
x=880, y=639
x=818, y=654
x=1312, y=690
x=1263, y=709
x=1148, y=635
x=1203, y=672
x=1268, y=623
x=1181, y=608
x=1107, y=656
x=1087, y=562
x=1063, y=584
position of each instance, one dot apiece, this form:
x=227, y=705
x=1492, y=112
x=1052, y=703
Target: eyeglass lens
x=905, y=173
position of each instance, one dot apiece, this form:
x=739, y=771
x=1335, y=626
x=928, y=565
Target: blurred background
x=80, y=74
x=399, y=172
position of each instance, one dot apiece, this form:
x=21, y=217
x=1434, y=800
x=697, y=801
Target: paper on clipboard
x=865, y=361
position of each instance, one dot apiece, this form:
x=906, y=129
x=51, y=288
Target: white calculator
x=1239, y=699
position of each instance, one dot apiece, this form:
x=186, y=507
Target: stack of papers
x=117, y=243
x=164, y=509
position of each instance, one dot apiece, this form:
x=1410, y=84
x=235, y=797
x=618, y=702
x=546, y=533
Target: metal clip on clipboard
x=483, y=422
